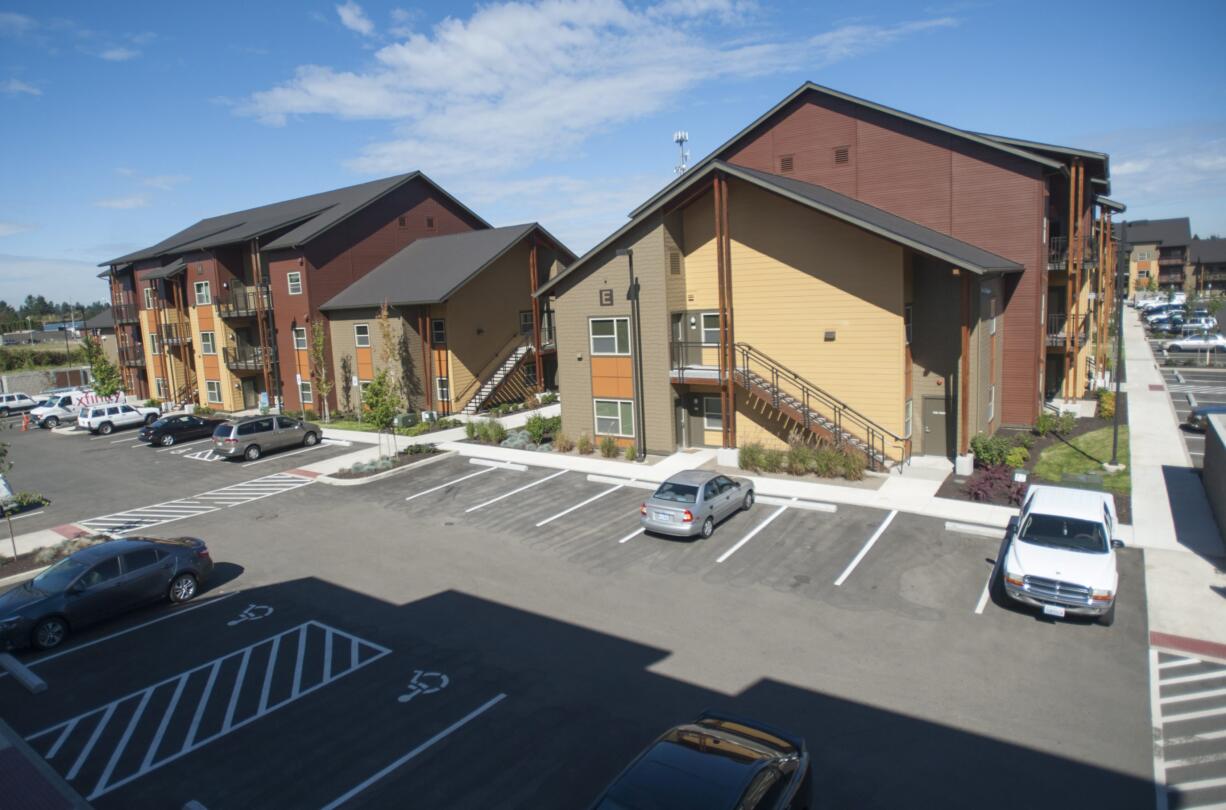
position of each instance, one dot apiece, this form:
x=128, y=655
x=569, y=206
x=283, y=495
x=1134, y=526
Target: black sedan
x=97, y=583
x=717, y=762
x=178, y=427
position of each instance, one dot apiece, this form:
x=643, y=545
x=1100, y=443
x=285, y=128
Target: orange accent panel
x=205, y=316
x=611, y=367
x=611, y=378
x=211, y=367
x=366, y=363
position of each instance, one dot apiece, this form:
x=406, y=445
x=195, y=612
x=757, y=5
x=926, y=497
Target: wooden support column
x=533, y=283
x=159, y=321
x=1078, y=267
x=724, y=371
x=964, y=368
x=262, y=326
x=427, y=379
x=729, y=415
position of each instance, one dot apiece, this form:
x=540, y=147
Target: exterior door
x=679, y=417
x=936, y=417
x=250, y=397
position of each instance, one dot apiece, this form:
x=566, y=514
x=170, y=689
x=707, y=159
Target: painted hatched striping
x=1189, y=754
x=112, y=745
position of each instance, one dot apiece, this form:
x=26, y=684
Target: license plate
x=662, y=516
x=1053, y=610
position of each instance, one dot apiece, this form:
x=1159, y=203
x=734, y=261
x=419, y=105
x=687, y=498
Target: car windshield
x=679, y=493
x=60, y=576
x=222, y=431
x=1066, y=533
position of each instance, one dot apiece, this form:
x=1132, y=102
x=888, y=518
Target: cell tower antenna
x=681, y=138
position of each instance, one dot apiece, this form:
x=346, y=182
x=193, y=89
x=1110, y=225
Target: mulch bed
x=401, y=460
x=23, y=563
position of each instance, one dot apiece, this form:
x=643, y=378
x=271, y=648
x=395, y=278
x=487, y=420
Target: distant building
x=1208, y=260
x=1159, y=251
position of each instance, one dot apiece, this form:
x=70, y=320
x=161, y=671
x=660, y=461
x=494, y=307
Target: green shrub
x=1025, y=440
x=1106, y=403
x=547, y=399
x=539, y=427
x=631, y=454
x=990, y=450
x=1017, y=457
x=470, y=430
x=799, y=459
x=608, y=447
x=153, y=403
x=204, y=410
x=773, y=460
x=585, y=444
x=853, y=464
x=749, y=456
x=1065, y=423
x=490, y=431
x=562, y=443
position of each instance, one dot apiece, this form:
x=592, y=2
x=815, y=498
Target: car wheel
x=252, y=452
x=167, y=440
x=1173, y=349
x=106, y=428
x=48, y=633
x=747, y=504
x=708, y=527
x=52, y=421
x=151, y=418
x=182, y=588
x=310, y=440
x=1108, y=618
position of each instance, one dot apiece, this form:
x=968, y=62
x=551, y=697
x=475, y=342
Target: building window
x=710, y=328
x=609, y=335
x=305, y=396
x=148, y=298
x=442, y=389
x=154, y=344
x=712, y=413
x=294, y=281
x=403, y=222
x=160, y=387
x=429, y=223
x=362, y=386
x=614, y=417
x=907, y=321
x=361, y=335
x=908, y=413
x=212, y=390
x=203, y=295
x=438, y=332
x=300, y=338
x=991, y=403
x=208, y=343
x=530, y=374
x=525, y=322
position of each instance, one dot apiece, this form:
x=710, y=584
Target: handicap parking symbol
x=251, y=613
x=425, y=683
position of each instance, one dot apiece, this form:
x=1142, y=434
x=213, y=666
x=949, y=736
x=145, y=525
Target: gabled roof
x=166, y=271
x=430, y=270
x=810, y=87
x=1207, y=251
x=1167, y=232
x=819, y=198
x=1102, y=176
x=1114, y=205
x=103, y=320
x=312, y=215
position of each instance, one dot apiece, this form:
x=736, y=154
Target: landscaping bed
x=403, y=458
x=42, y=557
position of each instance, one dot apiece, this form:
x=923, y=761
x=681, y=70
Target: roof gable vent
x=842, y=155
x=787, y=163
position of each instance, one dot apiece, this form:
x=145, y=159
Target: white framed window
x=204, y=296
x=300, y=338
x=155, y=345
x=609, y=336
x=991, y=402
x=710, y=328
x=361, y=335
x=212, y=390
x=712, y=413
x=442, y=389
x=148, y=298
x=525, y=322
x=208, y=343
x=614, y=417
x=908, y=415
x=438, y=332
x=362, y=386
x=160, y=387
x=294, y=282
x=305, y=395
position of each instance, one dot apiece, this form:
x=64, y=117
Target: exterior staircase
x=491, y=383
x=816, y=410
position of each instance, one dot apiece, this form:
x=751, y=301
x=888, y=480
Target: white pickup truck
x=1059, y=555
x=106, y=417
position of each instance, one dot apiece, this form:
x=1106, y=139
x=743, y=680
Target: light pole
x=1119, y=359
x=636, y=356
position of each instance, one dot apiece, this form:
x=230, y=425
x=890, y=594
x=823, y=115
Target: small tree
x=319, y=364
x=107, y=379
x=379, y=402
x=346, y=382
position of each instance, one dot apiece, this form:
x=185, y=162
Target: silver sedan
x=691, y=503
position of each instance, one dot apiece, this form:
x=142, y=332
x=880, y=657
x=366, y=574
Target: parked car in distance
x=1168, y=324
x=16, y=403
x=252, y=436
x=1198, y=417
x=98, y=583
x=1198, y=325
x=105, y=418
x=718, y=762
x=1059, y=554
x=693, y=502
x=1196, y=343
x=1161, y=312
x=178, y=427
x=59, y=407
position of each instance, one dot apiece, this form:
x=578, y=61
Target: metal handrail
x=175, y=332
x=243, y=300
x=131, y=355
x=125, y=313
x=500, y=357
x=244, y=357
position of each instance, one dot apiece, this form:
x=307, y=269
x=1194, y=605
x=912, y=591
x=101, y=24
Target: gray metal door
x=935, y=419
x=679, y=418
x=250, y=397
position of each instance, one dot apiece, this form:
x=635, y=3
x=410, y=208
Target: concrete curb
x=356, y=482
x=24, y=575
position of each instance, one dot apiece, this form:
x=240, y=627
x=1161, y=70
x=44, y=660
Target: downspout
x=964, y=373
x=717, y=197
x=729, y=415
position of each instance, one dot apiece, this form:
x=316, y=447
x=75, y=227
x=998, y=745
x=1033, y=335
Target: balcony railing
x=1057, y=326
x=175, y=334
x=241, y=301
x=548, y=338
x=1057, y=253
x=1170, y=260
x=132, y=356
x=125, y=313
x=244, y=358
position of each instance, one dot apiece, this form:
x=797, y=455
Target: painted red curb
x=69, y=531
x=304, y=473
x=1193, y=646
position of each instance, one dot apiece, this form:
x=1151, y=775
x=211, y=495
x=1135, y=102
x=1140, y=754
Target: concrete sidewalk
x=1171, y=516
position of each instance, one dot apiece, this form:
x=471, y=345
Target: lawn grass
x=1086, y=454
x=352, y=424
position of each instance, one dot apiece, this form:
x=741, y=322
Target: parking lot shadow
x=223, y=574
x=494, y=706
x=1195, y=527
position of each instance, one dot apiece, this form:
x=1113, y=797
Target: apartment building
x=1158, y=258
x=219, y=313
x=1208, y=260
x=848, y=271
x=465, y=328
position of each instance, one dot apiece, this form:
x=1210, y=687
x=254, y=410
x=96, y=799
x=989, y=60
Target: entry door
x=935, y=420
x=251, y=397
x=681, y=421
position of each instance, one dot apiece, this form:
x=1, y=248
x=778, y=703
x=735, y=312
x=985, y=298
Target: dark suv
x=252, y=436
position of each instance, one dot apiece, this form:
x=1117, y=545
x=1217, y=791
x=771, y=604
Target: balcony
x=242, y=301
x=132, y=356
x=125, y=313
x=245, y=358
x=1171, y=261
x=176, y=334
x=1057, y=326
x=548, y=338
x=1057, y=253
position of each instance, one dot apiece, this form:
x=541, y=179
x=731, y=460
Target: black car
x=1174, y=323
x=718, y=762
x=97, y=583
x=178, y=427
x=1198, y=419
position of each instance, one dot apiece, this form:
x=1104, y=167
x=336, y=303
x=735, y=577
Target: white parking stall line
x=872, y=541
x=1200, y=676
x=174, y=447
x=1176, y=715
x=451, y=729
x=987, y=588
x=1201, y=784
x=752, y=533
x=146, y=730
x=1158, y=734
x=1207, y=693
x=282, y=455
x=514, y=492
x=1178, y=662
x=632, y=535
x=481, y=471
x=580, y=505
x=122, y=441
x=506, y=465
x=29, y=514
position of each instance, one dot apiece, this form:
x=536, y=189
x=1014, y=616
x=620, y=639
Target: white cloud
x=850, y=41
x=165, y=182
x=13, y=228
x=123, y=203
x=355, y=19
x=119, y=54
x=13, y=24
x=13, y=87
x=33, y=275
x=1171, y=171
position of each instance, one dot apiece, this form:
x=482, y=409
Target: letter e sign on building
x=606, y=297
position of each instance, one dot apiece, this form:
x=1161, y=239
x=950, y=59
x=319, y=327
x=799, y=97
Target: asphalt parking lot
x=1202, y=387
x=464, y=636
x=88, y=477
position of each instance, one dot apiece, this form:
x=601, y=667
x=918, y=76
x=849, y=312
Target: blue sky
x=124, y=122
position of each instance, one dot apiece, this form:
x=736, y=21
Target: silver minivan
x=691, y=503
x=252, y=436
